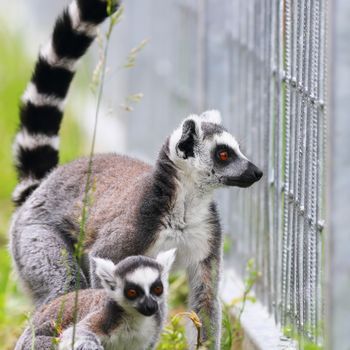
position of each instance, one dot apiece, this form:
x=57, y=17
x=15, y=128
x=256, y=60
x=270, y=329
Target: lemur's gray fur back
x=41, y=109
x=136, y=209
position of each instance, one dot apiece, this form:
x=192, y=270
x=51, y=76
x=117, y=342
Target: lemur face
x=138, y=283
x=144, y=290
x=203, y=149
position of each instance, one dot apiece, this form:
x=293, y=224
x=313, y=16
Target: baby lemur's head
x=137, y=283
x=208, y=153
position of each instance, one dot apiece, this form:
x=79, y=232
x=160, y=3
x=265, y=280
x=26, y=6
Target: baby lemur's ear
x=105, y=271
x=166, y=259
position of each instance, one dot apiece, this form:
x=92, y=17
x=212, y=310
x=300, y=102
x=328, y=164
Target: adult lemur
x=127, y=314
x=136, y=208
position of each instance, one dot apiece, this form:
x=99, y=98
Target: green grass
x=15, y=70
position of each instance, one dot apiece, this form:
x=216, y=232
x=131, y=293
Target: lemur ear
x=212, y=116
x=185, y=146
x=105, y=271
x=166, y=259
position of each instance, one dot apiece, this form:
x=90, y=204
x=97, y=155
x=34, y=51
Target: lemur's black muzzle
x=148, y=307
x=252, y=173
x=249, y=176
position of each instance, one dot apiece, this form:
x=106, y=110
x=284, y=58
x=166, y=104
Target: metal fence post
x=338, y=262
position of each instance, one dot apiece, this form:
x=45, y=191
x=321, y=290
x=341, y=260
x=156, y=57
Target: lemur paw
x=89, y=345
x=81, y=343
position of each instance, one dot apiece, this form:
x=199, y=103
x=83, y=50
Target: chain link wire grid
x=276, y=58
x=262, y=63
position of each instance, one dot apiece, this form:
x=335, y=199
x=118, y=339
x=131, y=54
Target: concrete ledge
x=260, y=330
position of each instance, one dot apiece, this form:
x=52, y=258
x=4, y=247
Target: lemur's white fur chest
x=133, y=333
x=187, y=227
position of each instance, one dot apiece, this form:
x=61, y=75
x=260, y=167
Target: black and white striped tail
x=36, y=143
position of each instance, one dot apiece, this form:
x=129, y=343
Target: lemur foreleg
x=204, y=300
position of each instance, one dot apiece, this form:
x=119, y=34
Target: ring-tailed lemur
x=128, y=313
x=136, y=208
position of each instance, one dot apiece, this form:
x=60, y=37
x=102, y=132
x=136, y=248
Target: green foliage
x=173, y=336
x=303, y=343
x=227, y=244
x=252, y=275
x=310, y=346
x=13, y=80
x=178, y=291
x=227, y=337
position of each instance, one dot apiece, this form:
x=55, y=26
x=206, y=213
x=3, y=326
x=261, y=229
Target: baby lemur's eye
x=131, y=293
x=157, y=290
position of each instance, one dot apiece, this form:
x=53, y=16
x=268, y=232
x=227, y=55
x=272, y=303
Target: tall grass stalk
x=79, y=247
x=33, y=334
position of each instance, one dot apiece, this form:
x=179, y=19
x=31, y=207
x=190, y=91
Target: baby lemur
x=128, y=313
x=136, y=208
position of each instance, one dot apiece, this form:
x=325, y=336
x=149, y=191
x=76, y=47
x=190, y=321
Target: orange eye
x=223, y=155
x=158, y=290
x=131, y=293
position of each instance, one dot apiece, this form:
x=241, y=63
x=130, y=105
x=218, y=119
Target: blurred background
x=278, y=70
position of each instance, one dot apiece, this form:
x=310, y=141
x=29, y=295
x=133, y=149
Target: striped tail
x=41, y=109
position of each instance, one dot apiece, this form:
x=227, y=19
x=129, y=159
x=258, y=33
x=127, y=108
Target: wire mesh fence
x=263, y=64
x=278, y=68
